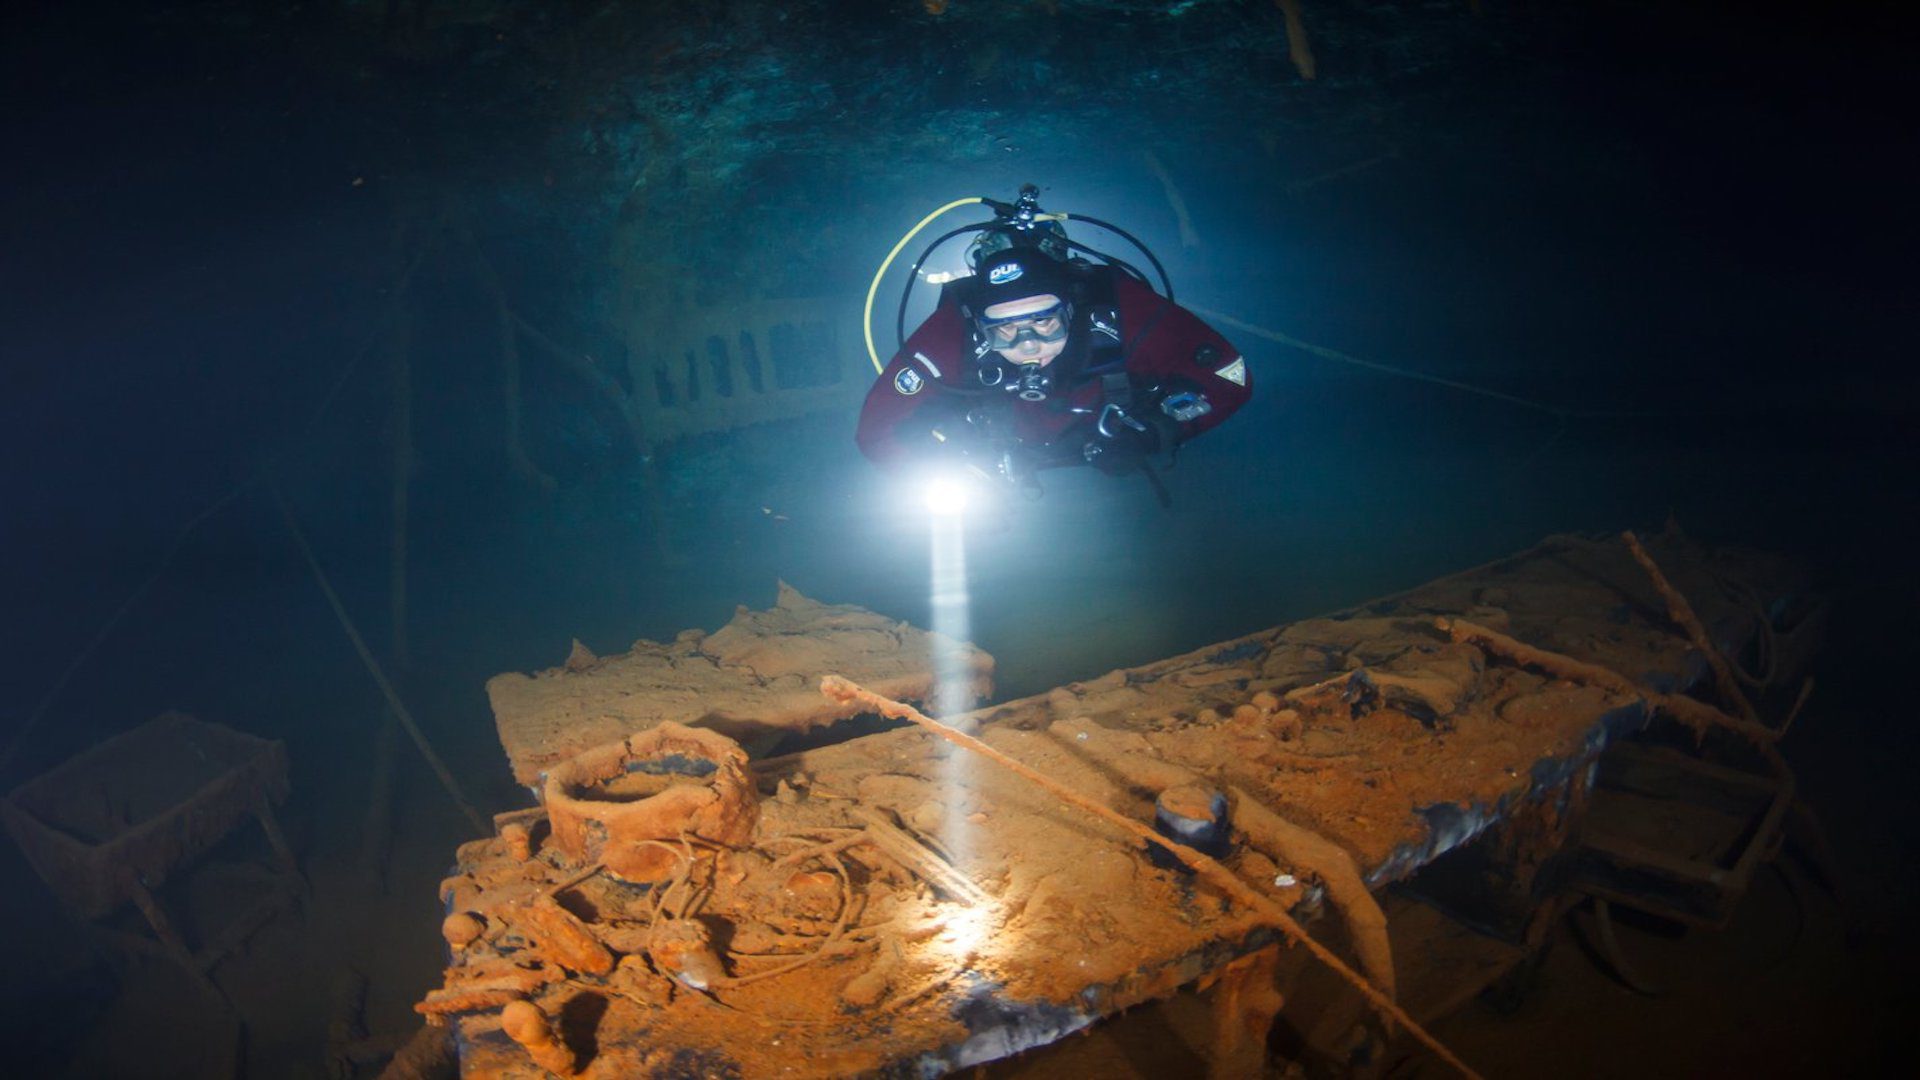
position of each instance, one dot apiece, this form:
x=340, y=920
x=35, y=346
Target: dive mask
x=1046, y=326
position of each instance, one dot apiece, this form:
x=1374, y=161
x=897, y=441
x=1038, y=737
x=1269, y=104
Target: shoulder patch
x=909, y=382
x=1236, y=372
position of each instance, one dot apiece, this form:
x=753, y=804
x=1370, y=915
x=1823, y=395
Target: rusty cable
x=1682, y=613
x=840, y=922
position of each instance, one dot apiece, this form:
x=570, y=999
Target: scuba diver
x=1043, y=359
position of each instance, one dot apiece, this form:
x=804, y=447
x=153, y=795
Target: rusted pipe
x=1697, y=715
x=1682, y=612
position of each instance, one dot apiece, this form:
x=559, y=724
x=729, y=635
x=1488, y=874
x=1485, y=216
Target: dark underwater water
x=1707, y=247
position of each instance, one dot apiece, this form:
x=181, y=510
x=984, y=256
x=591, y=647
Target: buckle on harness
x=1108, y=414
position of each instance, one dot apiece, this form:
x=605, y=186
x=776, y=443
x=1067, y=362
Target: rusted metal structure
x=730, y=366
x=755, y=679
x=1400, y=788
x=110, y=826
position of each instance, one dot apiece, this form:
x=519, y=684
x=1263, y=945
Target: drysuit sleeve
x=916, y=395
x=1176, y=351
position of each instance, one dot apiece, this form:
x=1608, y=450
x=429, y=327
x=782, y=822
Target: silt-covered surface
x=903, y=906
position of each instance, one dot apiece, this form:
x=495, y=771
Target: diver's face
x=1028, y=331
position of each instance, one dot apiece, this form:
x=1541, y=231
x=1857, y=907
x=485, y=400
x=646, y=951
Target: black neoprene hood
x=1015, y=274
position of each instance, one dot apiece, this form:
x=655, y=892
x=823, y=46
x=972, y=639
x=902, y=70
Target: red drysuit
x=1129, y=348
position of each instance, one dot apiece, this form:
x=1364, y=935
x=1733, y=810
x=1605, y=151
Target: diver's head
x=1023, y=313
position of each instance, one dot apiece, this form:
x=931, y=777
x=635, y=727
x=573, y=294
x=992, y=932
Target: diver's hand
x=962, y=447
x=1111, y=457
x=1019, y=468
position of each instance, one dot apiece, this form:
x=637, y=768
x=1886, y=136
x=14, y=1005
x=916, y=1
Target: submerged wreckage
x=1228, y=823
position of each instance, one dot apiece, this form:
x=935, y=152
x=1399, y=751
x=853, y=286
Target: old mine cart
x=110, y=826
x=1225, y=824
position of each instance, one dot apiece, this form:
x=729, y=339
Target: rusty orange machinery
x=895, y=904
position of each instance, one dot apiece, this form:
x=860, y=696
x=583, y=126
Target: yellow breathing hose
x=866, y=319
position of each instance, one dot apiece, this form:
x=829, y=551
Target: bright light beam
x=952, y=675
x=952, y=678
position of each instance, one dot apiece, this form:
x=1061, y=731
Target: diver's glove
x=943, y=437
x=935, y=430
x=1019, y=467
x=963, y=444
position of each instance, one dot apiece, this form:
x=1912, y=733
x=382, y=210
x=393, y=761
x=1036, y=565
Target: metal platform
x=898, y=906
